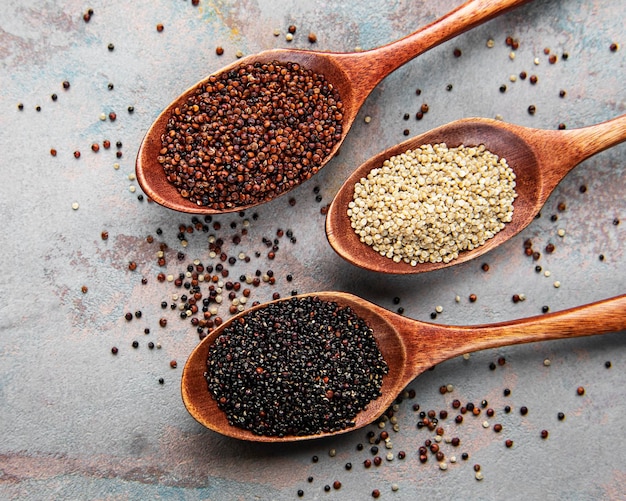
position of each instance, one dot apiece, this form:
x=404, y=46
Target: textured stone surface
x=80, y=423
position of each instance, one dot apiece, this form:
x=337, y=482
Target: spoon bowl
x=353, y=75
x=409, y=347
x=539, y=158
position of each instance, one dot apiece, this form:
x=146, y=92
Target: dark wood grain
x=409, y=347
x=355, y=75
x=539, y=158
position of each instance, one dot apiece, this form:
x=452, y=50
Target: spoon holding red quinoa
x=268, y=122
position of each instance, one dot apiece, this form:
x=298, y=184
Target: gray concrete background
x=80, y=423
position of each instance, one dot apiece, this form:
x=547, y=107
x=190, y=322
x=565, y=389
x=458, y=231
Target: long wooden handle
x=601, y=317
x=370, y=67
x=580, y=144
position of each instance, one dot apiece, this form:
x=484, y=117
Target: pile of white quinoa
x=429, y=204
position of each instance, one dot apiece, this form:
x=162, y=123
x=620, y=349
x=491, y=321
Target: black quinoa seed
x=300, y=353
x=250, y=134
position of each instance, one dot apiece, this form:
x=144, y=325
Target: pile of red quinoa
x=251, y=134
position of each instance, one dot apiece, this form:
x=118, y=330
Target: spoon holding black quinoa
x=268, y=122
x=326, y=363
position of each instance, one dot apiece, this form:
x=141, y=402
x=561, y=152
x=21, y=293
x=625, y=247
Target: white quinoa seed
x=75, y=206
x=431, y=203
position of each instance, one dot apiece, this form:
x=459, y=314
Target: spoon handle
x=560, y=151
x=601, y=317
x=370, y=67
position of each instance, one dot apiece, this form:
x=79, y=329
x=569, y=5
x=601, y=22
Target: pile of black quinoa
x=250, y=134
x=301, y=366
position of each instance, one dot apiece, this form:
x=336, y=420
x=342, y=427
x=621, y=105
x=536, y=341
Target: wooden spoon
x=539, y=158
x=409, y=347
x=354, y=75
